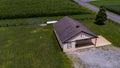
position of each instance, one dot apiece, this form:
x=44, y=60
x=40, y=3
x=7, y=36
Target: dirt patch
x=102, y=57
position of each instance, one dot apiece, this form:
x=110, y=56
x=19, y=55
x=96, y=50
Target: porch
x=84, y=42
x=101, y=41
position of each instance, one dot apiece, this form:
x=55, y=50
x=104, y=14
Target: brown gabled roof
x=67, y=28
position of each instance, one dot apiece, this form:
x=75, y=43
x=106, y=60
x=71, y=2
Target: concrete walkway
x=101, y=41
x=110, y=15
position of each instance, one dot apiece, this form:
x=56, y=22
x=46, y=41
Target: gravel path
x=102, y=57
x=110, y=15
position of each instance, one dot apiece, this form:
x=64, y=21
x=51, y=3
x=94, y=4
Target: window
x=69, y=45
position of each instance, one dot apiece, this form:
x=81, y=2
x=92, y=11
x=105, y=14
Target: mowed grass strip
x=110, y=5
x=30, y=47
x=38, y=8
x=113, y=8
x=105, y=2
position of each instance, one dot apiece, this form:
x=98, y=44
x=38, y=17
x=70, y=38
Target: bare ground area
x=101, y=57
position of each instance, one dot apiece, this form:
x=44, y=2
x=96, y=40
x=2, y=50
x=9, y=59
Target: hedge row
x=41, y=15
x=34, y=22
x=20, y=24
x=86, y=19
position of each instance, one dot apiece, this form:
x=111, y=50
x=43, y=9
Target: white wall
x=73, y=40
x=65, y=49
x=81, y=36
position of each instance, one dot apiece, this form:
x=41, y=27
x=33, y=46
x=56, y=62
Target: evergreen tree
x=101, y=16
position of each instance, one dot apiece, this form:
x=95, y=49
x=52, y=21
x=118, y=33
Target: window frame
x=69, y=45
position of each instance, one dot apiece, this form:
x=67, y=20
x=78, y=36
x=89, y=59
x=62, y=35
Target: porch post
x=95, y=41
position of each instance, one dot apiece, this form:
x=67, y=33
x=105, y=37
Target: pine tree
x=101, y=16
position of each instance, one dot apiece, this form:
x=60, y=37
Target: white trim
x=51, y=22
x=81, y=36
x=58, y=39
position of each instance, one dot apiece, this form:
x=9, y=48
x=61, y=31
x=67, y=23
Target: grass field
x=105, y=2
x=111, y=30
x=99, y=30
x=38, y=8
x=30, y=47
x=111, y=5
x=113, y=8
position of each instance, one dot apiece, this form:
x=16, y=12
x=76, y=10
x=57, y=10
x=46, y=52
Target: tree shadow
x=99, y=23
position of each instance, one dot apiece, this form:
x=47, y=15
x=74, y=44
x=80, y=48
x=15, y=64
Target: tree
x=101, y=16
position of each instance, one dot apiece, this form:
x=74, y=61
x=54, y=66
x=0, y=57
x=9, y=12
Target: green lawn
x=113, y=8
x=104, y=30
x=105, y=2
x=38, y=8
x=30, y=47
x=111, y=5
x=36, y=47
x=111, y=30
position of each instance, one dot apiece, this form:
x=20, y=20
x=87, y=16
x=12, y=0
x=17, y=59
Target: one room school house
x=72, y=35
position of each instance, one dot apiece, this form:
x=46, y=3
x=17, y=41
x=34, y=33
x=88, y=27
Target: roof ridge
x=67, y=28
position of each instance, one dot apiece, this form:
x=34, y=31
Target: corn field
x=38, y=8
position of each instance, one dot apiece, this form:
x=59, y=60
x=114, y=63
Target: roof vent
x=77, y=26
